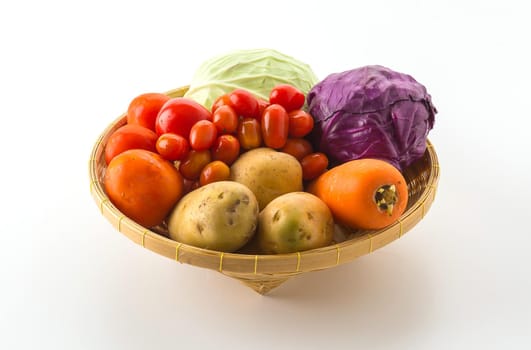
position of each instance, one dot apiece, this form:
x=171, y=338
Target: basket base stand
x=264, y=286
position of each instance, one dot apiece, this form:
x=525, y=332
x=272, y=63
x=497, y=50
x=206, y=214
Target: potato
x=294, y=222
x=267, y=173
x=220, y=216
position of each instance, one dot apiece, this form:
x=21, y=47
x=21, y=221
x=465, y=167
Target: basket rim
x=228, y=263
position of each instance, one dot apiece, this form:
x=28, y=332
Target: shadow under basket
x=264, y=272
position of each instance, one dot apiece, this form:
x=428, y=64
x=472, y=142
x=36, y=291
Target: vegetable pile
x=250, y=172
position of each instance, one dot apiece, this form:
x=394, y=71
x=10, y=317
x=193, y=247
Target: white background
x=461, y=279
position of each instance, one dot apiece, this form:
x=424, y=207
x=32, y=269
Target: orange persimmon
x=363, y=194
x=143, y=186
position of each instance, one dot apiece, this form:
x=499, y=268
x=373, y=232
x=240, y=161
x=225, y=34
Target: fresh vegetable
x=202, y=135
x=189, y=185
x=244, y=104
x=300, y=123
x=364, y=193
x=275, y=124
x=172, y=146
x=129, y=137
x=178, y=115
x=294, y=222
x=194, y=162
x=225, y=119
x=220, y=216
x=257, y=71
x=287, y=96
x=262, y=105
x=299, y=148
x=267, y=173
x=313, y=165
x=143, y=109
x=143, y=186
x=249, y=133
x=371, y=112
x=226, y=148
x=214, y=171
x=222, y=100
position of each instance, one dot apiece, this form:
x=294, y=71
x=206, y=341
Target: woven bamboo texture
x=264, y=272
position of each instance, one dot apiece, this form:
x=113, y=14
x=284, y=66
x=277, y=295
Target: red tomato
x=244, y=103
x=225, y=119
x=214, y=171
x=143, y=109
x=299, y=148
x=287, y=96
x=202, y=135
x=192, y=165
x=172, y=146
x=300, y=123
x=178, y=115
x=189, y=185
x=226, y=148
x=313, y=165
x=275, y=124
x=222, y=100
x=262, y=105
x=129, y=137
x=249, y=133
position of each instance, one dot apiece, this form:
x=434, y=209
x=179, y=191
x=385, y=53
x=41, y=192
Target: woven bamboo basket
x=264, y=272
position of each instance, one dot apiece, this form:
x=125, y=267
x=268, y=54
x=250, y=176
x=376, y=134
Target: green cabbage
x=256, y=71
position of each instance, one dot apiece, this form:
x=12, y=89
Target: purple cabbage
x=371, y=112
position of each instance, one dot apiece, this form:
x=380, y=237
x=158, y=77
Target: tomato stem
x=386, y=198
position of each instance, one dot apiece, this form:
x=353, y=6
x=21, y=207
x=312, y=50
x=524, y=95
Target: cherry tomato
x=178, y=115
x=222, y=100
x=249, y=133
x=202, y=135
x=172, y=146
x=189, y=185
x=192, y=165
x=275, y=124
x=262, y=105
x=313, y=165
x=300, y=123
x=214, y=171
x=129, y=137
x=244, y=103
x=287, y=96
x=225, y=119
x=143, y=109
x=226, y=148
x=299, y=148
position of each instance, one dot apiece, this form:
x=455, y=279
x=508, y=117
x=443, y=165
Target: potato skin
x=220, y=216
x=267, y=173
x=294, y=222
